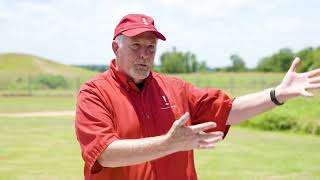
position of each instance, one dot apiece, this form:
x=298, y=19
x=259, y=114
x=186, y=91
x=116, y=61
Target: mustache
x=143, y=62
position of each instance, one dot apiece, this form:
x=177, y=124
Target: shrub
x=51, y=81
x=309, y=126
x=272, y=121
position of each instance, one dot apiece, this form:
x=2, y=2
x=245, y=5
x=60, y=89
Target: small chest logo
x=165, y=101
x=144, y=21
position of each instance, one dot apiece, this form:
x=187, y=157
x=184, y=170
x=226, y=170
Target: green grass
x=249, y=154
x=36, y=104
x=46, y=148
x=39, y=148
x=22, y=68
x=30, y=64
x=298, y=115
x=234, y=84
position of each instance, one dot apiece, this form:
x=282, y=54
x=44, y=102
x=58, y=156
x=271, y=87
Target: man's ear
x=115, y=47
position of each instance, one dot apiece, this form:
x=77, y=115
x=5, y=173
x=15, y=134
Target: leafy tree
x=310, y=59
x=238, y=64
x=278, y=62
x=203, y=67
x=179, y=62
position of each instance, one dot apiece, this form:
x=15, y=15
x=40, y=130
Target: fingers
x=313, y=73
x=203, y=126
x=208, y=136
x=306, y=93
x=205, y=146
x=294, y=64
x=313, y=86
x=184, y=118
x=314, y=80
x=210, y=142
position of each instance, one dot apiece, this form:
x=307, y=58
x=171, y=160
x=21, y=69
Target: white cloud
x=81, y=31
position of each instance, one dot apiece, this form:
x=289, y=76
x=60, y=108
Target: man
x=133, y=123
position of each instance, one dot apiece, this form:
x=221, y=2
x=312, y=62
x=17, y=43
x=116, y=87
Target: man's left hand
x=297, y=84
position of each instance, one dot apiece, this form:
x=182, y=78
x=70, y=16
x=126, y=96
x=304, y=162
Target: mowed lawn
x=36, y=104
x=46, y=148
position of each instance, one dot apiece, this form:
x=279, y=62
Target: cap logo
x=144, y=21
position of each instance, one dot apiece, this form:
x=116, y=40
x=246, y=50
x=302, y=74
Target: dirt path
x=38, y=114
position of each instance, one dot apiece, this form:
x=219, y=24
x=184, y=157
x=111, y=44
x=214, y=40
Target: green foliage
x=298, y=115
x=180, y=62
x=309, y=126
x=278, y=62
x=310, y=59
x=238, y=63
x=156, y=68
x=40, y=81
x=281, y=61
x=273, y=121
x=203, y=67
x=51, y=81
x=18, y=71
x=98, y=68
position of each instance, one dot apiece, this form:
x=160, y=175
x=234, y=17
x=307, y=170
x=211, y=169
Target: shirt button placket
x=147, y=127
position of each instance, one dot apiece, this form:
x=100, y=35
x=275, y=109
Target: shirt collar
x=123, y=80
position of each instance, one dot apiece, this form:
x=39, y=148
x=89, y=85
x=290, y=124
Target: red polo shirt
x=110, y=107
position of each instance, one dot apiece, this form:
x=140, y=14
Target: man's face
x=136, y=55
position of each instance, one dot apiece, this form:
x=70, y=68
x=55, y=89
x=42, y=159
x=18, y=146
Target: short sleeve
x=209, y=105
x=95, y=128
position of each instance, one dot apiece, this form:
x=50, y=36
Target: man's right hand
x=127, y=152
x=182, y=138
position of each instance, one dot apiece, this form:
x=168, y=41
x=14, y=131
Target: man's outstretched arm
x=179, y=138
x=293, y=85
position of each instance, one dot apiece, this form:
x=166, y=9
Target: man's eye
x=151, y=47
x=135, y=46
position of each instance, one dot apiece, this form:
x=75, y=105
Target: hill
x=15, y=66
x=28, y=64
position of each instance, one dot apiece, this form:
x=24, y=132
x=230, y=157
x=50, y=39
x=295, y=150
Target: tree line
x=184, y=62
x=175, y=61
x=281, y=60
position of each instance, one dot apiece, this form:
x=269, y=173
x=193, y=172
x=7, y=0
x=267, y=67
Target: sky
x=80, y=31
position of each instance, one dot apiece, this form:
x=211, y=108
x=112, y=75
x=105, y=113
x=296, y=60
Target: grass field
x=234, y=84
x=39, y=148
x=46, y=148
x=36, y=104
x=249, y=154
x=300, y=114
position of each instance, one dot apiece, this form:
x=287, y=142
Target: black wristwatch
x=274, y=99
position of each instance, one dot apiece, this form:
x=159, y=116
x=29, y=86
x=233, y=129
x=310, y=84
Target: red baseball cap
x=134, y=24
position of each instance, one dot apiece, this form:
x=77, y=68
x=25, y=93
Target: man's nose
x=144, y=52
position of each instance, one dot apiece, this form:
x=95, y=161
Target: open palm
x=298, y=84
